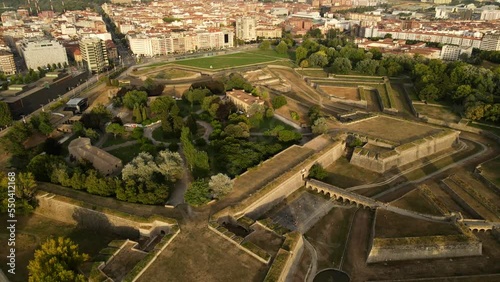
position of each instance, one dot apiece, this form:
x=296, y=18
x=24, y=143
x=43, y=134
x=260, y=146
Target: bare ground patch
x=349, y=93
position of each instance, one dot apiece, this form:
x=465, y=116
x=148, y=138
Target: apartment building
x=490, y=42
x=179, y=42
x=94, y=54
x=7, y=64
x=38, y=52
x=452, y=53
x=246, y=29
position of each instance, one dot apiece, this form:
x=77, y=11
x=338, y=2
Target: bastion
x=391, y=143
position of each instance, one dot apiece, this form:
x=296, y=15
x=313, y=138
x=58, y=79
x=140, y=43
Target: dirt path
x=313, y=268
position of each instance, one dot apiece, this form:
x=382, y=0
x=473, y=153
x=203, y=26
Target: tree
x=135, y=97
x=341, y=65
x=289, y=135
x=140, y=169
x=42, y=166
x=269, y=113
x=240, y=130
x=5, y=115
x=317, y=172
x=52, y=147
x=115, y=129
x=429, y=93
x=318, y=59
x=282, y=48
x=220, y=185
x=304, y=64
x=319, y=126
x=170, y=165
x=198, y=193
x=78, y=128
x=300, y=54
x=25, y=186
x=278, y=101
x=367, y=66
x=57, y=260
x=265, y=45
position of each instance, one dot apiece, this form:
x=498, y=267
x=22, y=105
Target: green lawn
x=270, y=123
x=115, y=141
x=158, y=136
x=233, y=60
x=126, y=154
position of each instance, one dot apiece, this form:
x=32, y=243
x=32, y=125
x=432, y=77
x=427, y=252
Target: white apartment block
x=245, y=29
x=452, y=53
x=463, y=41
x=490, y=15
x=39, y=52
x=490, y=42
x=7, y=64
x=94, y=54
x=179, y=42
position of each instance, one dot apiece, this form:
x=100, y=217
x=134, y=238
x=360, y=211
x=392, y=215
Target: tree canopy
x=57, y=260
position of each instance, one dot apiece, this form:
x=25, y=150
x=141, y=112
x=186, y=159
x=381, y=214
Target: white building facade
x=40, y=52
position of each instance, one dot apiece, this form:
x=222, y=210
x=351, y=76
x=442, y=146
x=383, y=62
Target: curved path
x=484, y=148
x=387, y=181
x=313, y=268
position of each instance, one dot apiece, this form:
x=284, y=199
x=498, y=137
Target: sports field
x=234, y=60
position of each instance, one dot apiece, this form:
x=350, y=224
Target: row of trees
x=202, y=191
x=146, y=179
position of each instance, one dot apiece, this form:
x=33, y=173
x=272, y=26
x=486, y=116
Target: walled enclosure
x=405, y=153
x=424, y=248
x=290, y=184
x=57, y=208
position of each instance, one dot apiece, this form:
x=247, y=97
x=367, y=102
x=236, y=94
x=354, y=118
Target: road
x=484, y=149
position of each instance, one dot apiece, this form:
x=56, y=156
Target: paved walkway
x=208, y=129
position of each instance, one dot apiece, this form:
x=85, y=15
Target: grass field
x=415, y=201
x=348, y=93
x=233, y=60
x=437, y=112
x=344, y=175
x=329, y=236
x=35, y=229
x=395, y=130
x=126, y=154
x=392, y=225
x=198, y=254
x=486, y=127
x=115, y=141
x=490, y=170
x=313, y=73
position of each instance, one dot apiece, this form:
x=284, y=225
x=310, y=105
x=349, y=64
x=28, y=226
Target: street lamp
x=43, y=109
x=24, y=120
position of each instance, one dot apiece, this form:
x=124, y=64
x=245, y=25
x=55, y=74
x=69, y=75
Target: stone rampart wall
x=404, y=154
x=292, y=183
x=385, y=253
x=56, y=208
x=293, y=260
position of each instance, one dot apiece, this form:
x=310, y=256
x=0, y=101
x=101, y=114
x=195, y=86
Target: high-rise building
x=7, y=64
x=94, y=54
x=39, y=52
x=245, y=29
x=490, y=42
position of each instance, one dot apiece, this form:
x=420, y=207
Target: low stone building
x=103, y=161
x=243, y=100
